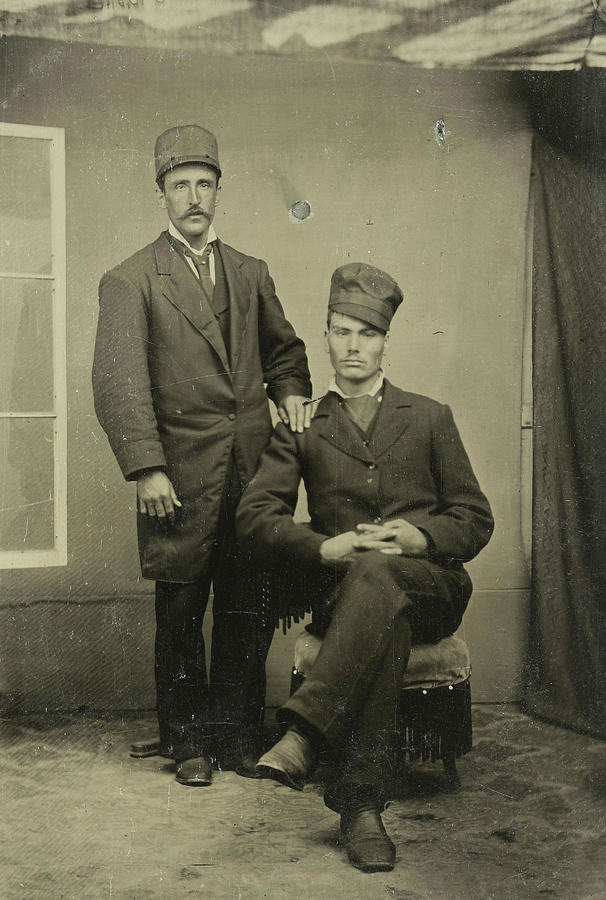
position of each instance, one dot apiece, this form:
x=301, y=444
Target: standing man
x=190, y=330
x=395, y=512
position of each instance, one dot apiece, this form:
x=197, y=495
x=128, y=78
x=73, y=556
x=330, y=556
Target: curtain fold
x=566, y=672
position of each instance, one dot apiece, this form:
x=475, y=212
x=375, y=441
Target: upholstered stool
x=435, y=704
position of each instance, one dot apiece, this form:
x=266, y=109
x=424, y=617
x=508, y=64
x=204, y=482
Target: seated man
x=395, y=512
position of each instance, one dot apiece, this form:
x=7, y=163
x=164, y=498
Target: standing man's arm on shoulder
x=285, y=368
x=264, y=519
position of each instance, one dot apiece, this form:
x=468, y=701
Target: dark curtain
x=566, y=672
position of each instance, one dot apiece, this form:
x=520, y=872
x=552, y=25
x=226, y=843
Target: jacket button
x=231, y=417
x=372, y=466
x=369, y=480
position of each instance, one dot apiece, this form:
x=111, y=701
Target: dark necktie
x=202, y=264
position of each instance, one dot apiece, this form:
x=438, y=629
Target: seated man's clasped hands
x=395, y=538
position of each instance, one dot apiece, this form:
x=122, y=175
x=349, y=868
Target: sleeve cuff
x=133, y=458
x=432, y=553
x=278, y=392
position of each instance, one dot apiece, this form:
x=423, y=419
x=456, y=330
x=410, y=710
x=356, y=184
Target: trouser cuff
x=344, y=796
x=306, y=729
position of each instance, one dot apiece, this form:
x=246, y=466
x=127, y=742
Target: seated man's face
x=356, y=350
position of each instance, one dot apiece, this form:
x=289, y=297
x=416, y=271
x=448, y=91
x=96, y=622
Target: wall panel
x=358, y=143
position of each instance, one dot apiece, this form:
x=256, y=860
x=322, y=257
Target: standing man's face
x=190, y=198
x=356, y=351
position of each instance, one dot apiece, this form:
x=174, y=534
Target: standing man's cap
x=366, y=293
x=186, y=144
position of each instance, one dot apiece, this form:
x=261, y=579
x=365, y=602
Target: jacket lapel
x=239, y=298
x=394, y=417
x=335, y=426
x=180, y=288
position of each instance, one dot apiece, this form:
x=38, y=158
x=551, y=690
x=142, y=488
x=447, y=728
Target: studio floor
x=81, y=819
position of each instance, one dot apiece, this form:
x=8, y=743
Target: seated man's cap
x=186, y=144
x=366, y=293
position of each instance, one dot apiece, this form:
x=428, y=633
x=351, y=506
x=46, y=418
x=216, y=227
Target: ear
x=326, y=347
x=160, y=198
x=384, y=353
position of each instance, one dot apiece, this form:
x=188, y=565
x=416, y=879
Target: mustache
x=197, y=212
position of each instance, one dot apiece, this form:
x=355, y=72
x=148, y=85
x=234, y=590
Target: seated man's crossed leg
x=349, y=701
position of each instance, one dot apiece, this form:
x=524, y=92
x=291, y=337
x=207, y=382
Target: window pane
x=26, y=484
x=26, y=326
x=25, y=233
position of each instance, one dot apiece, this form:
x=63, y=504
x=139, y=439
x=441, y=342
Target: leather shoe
x=143, y=749
x=194, y=771
x=368, y=845
x=291, y=761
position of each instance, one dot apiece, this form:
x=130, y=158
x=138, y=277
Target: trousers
x=220, y=716
x=371, y=616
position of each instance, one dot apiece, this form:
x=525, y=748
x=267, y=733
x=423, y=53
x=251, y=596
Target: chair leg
x=449, y=761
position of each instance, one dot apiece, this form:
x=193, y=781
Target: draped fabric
x=567, y=654
x=502, y=34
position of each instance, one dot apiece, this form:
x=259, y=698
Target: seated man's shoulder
x=284, y=441
x=418, y=401
x=285, y=435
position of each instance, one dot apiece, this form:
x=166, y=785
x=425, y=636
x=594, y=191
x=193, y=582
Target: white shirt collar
x=174, y=232
x=371, y=392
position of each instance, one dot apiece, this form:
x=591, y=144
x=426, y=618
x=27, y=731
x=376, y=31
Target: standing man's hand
x=156, y=495
x=295, y=411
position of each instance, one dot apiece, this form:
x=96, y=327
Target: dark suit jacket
x=167, y=396
x=413, y=467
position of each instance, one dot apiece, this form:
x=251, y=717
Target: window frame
x=57, y=556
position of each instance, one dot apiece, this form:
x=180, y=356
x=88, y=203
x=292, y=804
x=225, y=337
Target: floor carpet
x=83, y=820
